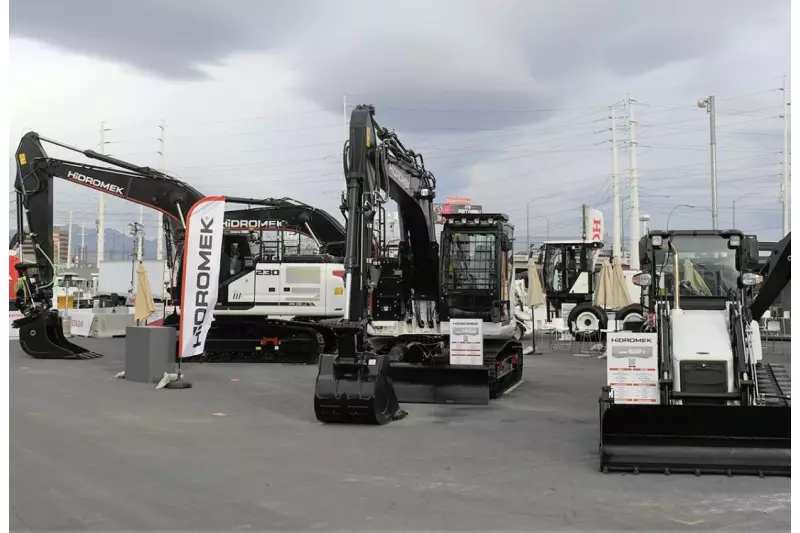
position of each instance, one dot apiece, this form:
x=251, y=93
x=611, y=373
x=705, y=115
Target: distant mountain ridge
x=117, y=245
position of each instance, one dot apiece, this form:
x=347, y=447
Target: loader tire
x=628, y=315
x=587, y=322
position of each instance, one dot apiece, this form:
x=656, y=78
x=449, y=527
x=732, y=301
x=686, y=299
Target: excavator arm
x=34, y=188
x=777, y=272
x=378, y=168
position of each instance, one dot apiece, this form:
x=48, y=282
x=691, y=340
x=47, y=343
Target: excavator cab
x=475, y=267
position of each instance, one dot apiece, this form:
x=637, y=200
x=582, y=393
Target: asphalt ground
x=242, y=450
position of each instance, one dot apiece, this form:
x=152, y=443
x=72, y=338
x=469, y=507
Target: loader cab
x=712, y=266
x=476, y=266
x=567, y=269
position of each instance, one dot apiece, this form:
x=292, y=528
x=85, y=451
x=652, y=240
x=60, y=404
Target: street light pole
x=689, y=206
x=734, y=209
x=709, y=104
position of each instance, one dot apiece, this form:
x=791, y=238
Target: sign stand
x=466, y=341
x=533, y=334
x=632, y=367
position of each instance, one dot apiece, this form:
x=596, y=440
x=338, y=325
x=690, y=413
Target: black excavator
x=717, y=406
x=241, y=330
x=405, y=302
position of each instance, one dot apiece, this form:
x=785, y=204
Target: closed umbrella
x=144, y=306
x=535, y=293
x=603, y=295
x=622, y=297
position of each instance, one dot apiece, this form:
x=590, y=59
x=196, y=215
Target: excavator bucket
x=442, y=383
x=698, y=439
x=355, y=391
x=41, y=336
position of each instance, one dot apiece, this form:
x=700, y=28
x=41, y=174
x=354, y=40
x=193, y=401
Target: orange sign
x=13, y=276
x=457, y=200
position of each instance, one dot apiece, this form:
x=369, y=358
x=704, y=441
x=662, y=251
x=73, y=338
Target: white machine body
x=491, y=330
x=701, y=336
x=290, y=290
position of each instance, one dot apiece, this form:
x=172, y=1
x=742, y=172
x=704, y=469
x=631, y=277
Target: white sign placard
x=466, y=341
x=632, y=367
x=13, y=333
x=81, y=322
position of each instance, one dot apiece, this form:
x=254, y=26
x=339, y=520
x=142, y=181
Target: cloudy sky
x=508, y=101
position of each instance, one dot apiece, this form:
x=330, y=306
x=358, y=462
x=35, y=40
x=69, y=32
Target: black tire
x=631, y=313
x=587, y=314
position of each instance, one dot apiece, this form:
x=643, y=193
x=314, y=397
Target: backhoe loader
x=400, y=311
x=718, y=408
x=272, y=305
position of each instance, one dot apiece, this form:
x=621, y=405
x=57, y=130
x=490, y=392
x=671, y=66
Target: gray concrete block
x=149, y=352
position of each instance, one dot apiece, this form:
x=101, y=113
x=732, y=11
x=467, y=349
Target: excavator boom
x=36, y=172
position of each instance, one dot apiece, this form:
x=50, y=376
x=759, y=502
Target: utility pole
x=617, y=227
x=634, y=229
x=82, y=255
x=69, y=241
x=160, y=222
x=135, y=232
x=785, y=196
x=139, y=236
x=101, y=207
x=344, y=115
x=709, y=104
x=583, y=222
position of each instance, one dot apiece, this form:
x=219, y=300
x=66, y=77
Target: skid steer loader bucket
x=441, y=383
x=355, y=391
x=713, y=439
x=41, y=336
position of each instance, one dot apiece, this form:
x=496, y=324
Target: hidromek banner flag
x=202, y=255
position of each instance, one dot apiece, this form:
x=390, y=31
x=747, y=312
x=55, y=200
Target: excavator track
x=267, y=341
x=774, y=385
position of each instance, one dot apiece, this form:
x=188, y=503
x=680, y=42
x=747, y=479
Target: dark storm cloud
x=405, y=57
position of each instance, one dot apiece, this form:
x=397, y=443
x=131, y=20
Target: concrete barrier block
x=149, y=352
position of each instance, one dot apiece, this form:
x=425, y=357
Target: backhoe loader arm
x=377, y=168
x=34, y=188
x=778, y=275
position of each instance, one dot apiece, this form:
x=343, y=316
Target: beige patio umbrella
x=535, y=294
x=144, y=305
x=603, y=296
x=622, y=297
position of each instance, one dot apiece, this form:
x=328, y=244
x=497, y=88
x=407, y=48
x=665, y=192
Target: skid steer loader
x=717, y=408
